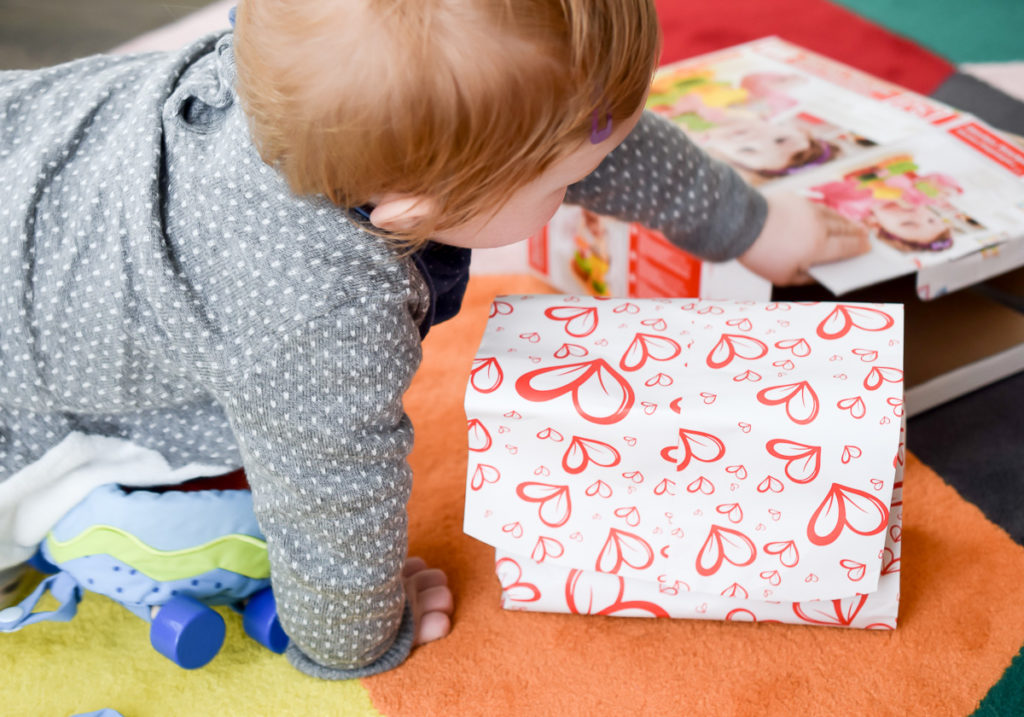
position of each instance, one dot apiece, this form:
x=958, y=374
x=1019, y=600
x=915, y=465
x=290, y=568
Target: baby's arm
x=318, y=415
x=799, y=234
x=660, y=178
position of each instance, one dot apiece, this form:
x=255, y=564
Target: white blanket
x=36, y=497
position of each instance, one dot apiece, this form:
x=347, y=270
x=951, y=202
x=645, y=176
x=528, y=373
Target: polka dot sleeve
x=659, y=178
x=324, y=440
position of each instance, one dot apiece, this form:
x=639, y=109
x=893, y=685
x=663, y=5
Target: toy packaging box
x=939, y=191
x=579, y=251
x=729, y=460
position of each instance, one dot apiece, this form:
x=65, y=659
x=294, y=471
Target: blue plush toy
x=166, y=556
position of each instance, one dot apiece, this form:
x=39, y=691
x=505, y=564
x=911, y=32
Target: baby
x=228, y=255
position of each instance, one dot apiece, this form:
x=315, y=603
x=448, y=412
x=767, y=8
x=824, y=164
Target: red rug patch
x=692, y=28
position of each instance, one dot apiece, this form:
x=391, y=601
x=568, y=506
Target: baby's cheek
x=551, y=206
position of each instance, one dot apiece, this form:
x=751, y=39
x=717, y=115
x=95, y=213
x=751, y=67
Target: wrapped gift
x=690, y=458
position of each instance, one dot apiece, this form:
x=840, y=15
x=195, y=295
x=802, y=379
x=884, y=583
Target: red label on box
x=835, y=72
x=537, y=251
x=992, y=146
x=922, y=107
x=658, y=268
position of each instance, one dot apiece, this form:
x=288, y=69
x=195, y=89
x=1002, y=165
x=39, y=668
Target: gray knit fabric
x=159, y=283
x=659, y=178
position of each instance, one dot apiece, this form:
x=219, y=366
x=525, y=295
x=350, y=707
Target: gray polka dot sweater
x=160, y=284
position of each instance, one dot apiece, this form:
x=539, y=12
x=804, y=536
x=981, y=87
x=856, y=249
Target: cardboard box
x=582, y=252
x=937, y=189
x=955, y=343
x=688, y=458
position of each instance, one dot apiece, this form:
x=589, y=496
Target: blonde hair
x=461, y=101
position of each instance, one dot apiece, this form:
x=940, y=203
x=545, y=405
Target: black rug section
x=1006, y=293
x=976, y=443
x=982, y=99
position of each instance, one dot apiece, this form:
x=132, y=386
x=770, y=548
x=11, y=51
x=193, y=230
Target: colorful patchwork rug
x=957, y=650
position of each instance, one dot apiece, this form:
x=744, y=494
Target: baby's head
x=445, y=114
x=767, y=148
x=910, y=227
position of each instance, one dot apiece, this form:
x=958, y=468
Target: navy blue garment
x=444, y=268
x=446, y=271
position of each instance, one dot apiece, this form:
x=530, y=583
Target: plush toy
x=167, y=557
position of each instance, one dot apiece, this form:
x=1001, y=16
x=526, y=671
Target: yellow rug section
x=102, y=658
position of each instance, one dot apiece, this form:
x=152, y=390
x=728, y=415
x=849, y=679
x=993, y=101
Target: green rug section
x=241, y=554
x=1006, y=697
x=989, y=31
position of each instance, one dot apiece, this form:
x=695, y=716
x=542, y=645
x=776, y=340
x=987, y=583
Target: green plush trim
x=241, y=554
x=1006, y=697
x=959, y=31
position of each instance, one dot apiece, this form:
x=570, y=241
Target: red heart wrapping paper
x=690, y=458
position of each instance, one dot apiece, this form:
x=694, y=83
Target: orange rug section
x=961, y=618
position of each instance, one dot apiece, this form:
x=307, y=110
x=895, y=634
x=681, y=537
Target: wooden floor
x=36, y=33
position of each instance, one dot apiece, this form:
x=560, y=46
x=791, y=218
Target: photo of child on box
x=931, y=184
x=756, y=125
x=908, y=210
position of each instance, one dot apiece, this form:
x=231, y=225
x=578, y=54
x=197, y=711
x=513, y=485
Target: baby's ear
x=401, y=212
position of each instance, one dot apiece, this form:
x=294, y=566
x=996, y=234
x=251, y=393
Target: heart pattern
x=555, y=505
x=845, y=318
x=724, y=545
x=479, y=437
x=799, y=399
x=648, y=347
x=846, y=508
x=584, y=452
x=658, y=445
x=732, y=346
x=482, y=474
x=803, y=462
x=599, y=394
x=693, y=445
x=486, y=375
x=577, y=321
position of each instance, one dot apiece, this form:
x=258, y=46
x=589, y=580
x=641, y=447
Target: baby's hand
x=797, y=235
x=432, y=604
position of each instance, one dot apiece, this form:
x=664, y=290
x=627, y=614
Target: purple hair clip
x=600, y=134
x=939, y=244
x=826, y=155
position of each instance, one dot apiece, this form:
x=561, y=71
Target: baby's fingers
x=412, y=566
x=436, y=599
x=426, y=578
x=433, y=607
x=843, y=238
x=431, y=599
x=432, y=626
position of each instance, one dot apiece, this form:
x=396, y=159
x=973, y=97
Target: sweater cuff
x=737, y=222
x=394, y=657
